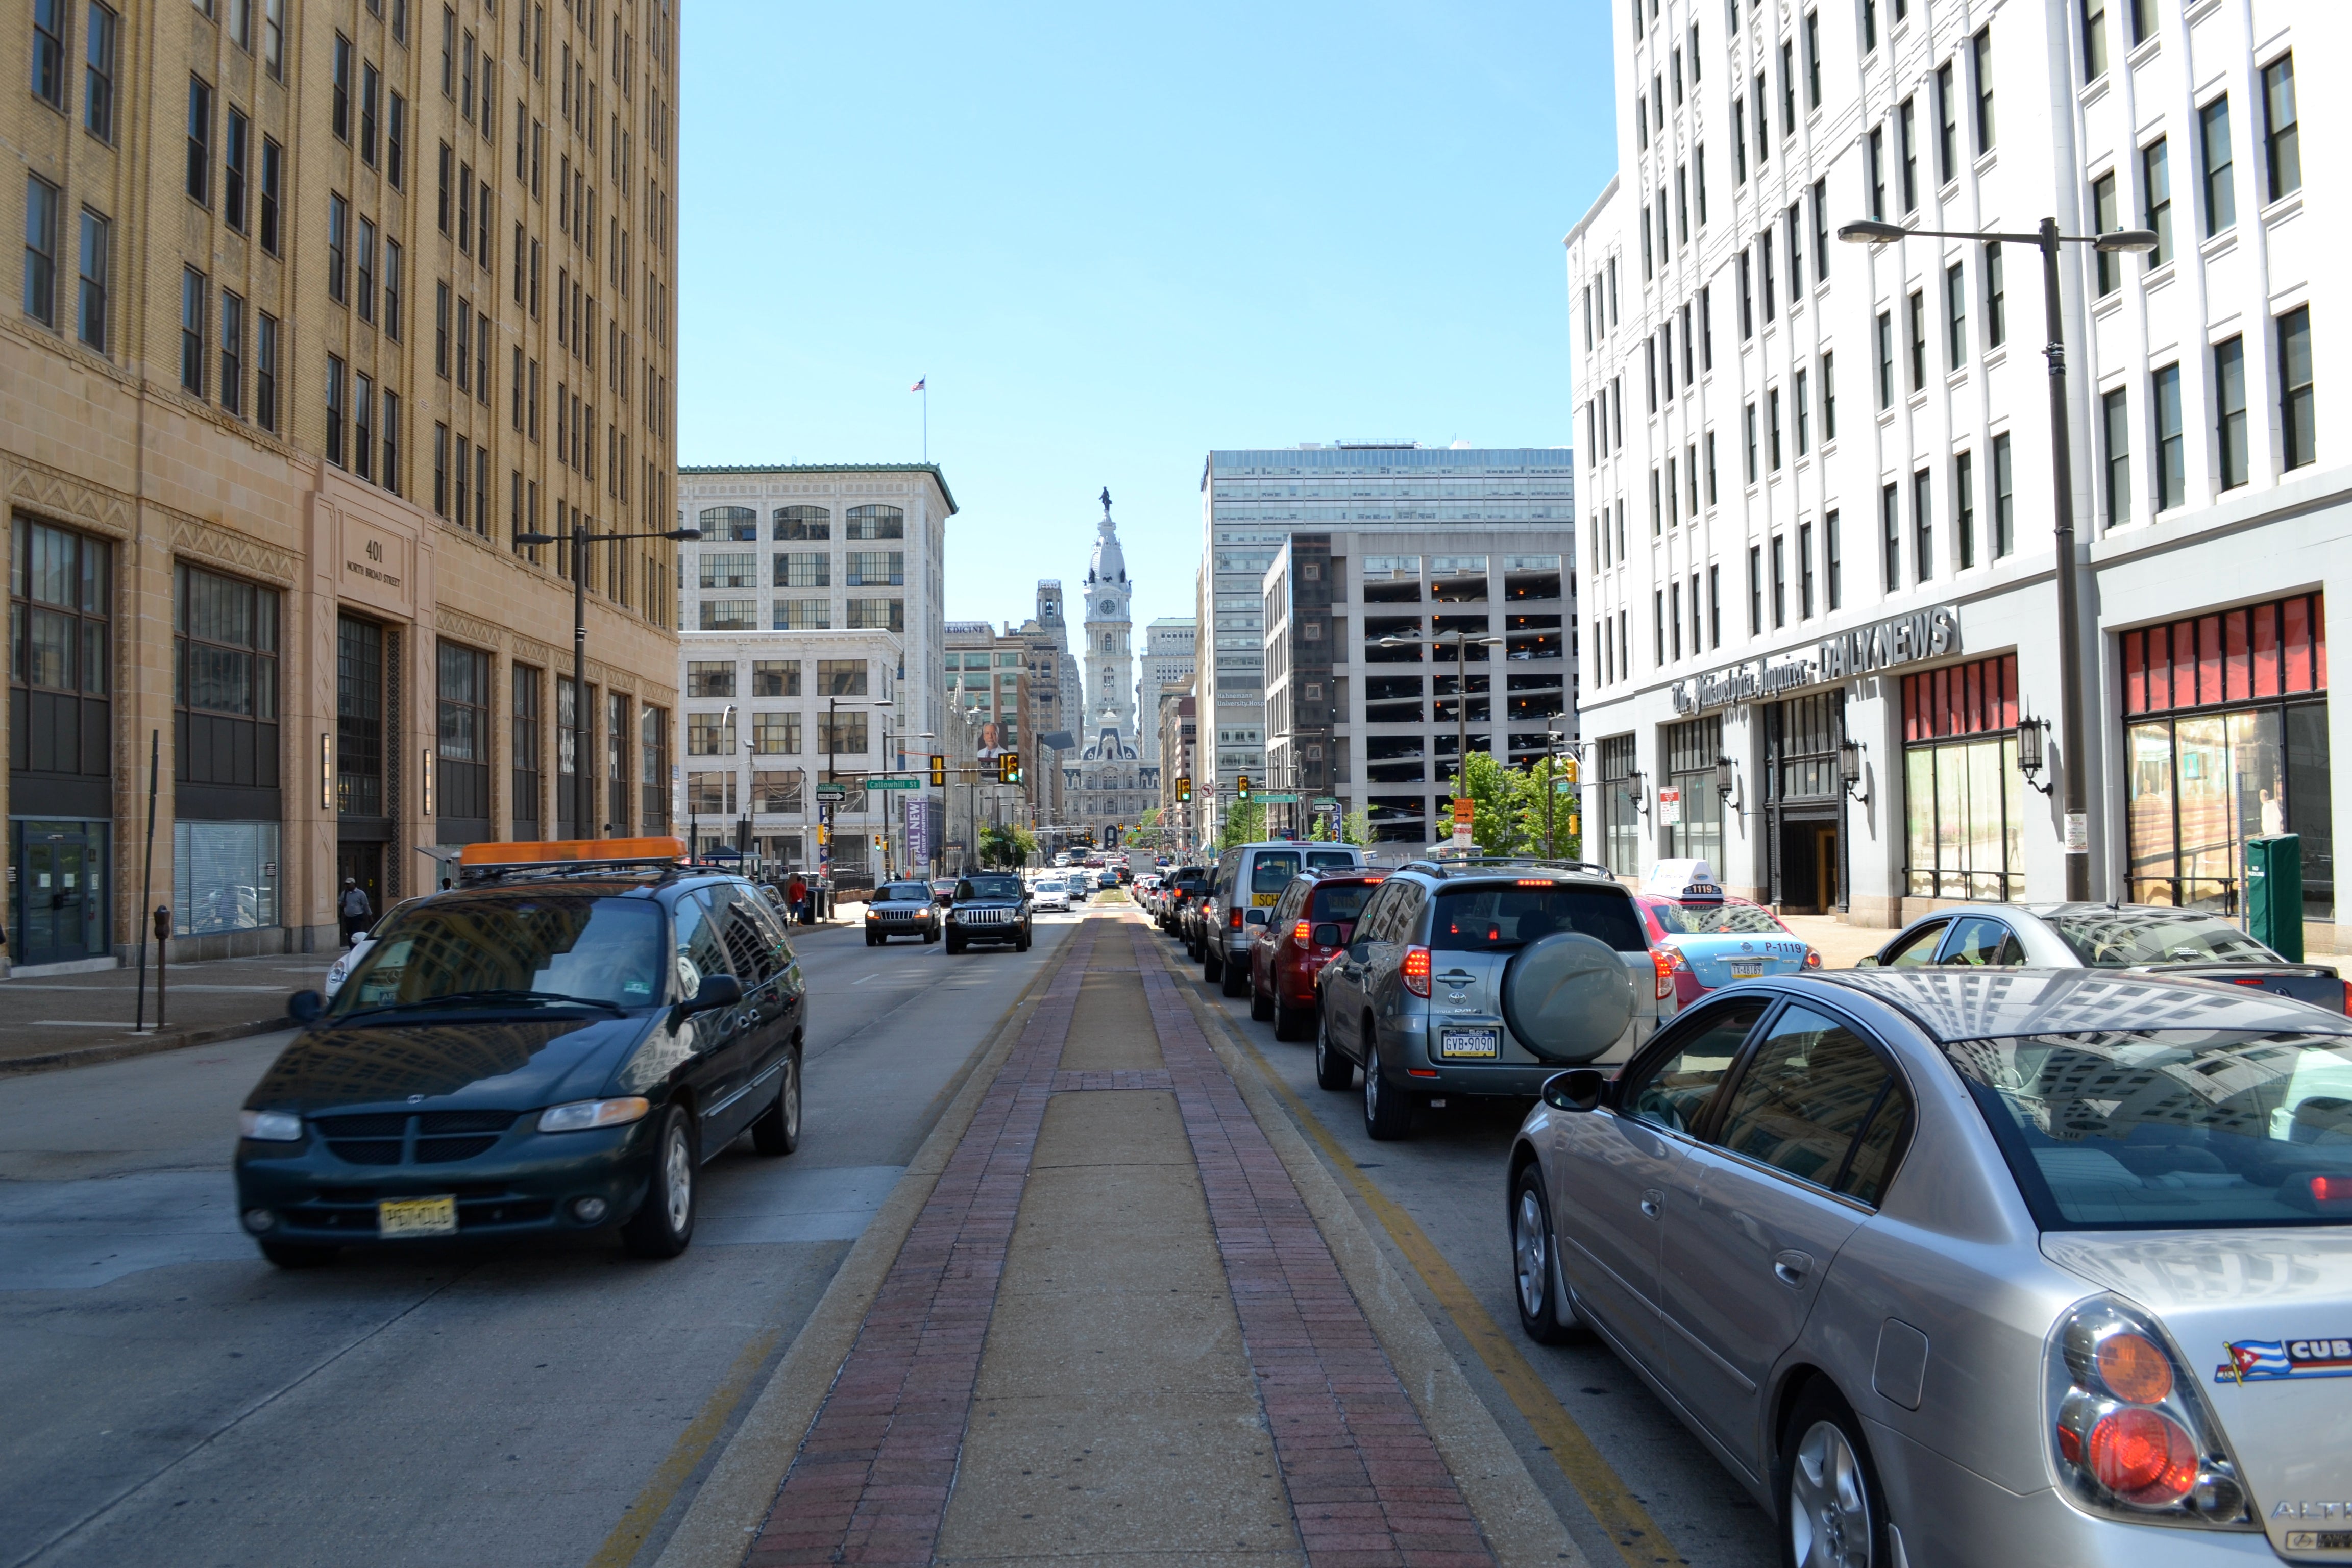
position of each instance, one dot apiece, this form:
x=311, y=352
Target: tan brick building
x=323, y=302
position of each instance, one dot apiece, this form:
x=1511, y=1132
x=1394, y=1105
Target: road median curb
x=741, y=1489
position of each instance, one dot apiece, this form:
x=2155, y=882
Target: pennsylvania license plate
x=2320, y=1540
x=1746, y=968
x=1470, y=1044
x=416, y=1216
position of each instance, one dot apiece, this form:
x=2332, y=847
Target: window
x=1751, y=443
x=1996, y=300
x=200, y=141
x=194, y=300
x=441, y=330
x=1788, y=89
x=273, y=35
x=776, y=734
x=340, y=116
x=877, y=615
x=1915, y=322
x=1779, y=583
x=97, y=245
x=2156, y=188
x=61, y=653
x=2229, y=410
x=335, y=410
x=1813, y=59
x=2298, y=425
x=49, y=52
x=367, y=270
x=1738, y=140
x=1710, y=469
x=232, y=352
x=1964, y=506
x=2115, y=420
x=449, y=164
x=41, y=250
x=395, y=139
x=2143, y=20
x=1822, y=230
x=1982, y=45
x=1796, y=396
x=271, y=160
x=2221, y=185
x=1923, y=528
x=1890, y=528
x=364, y=426
x=390, y=421
x=1805, y=571
x=1755, y=590
x=842, y=734
x=1763, y=140
x=1955, y=316
x=840, y=678
x=1747, y=301
x=876, y=522
x=776, y=678
x=1869, y=25
x=2281, y=143
x=1874, y=172
x=804, y=614
x=2004, y=500
x=233, y=167
x=370, y=96
x=2105, y=219
x=265, y=371
x=1796, y=220
x=339, y=214
x=728, y=569
x=1832, y=562
x=1828, y=397
x=1948, y=126
x=2095, y=39
x=225, y=680
x=875, y=568
x=1906, y=150
x=2171, y=478
x=392, y=271
x=1772, y=424
x=99, y=44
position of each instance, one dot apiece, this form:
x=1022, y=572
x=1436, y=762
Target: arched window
x=877, y=522
x=729, y=522
x=803, y=523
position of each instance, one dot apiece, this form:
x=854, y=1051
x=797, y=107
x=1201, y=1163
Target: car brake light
x=2348, y=997
x=1812, y=959
x=1236, y=913
x=1416, y=971
x=1300, y=933
x=2142, y=1457
x=2133, y=1437
x=1666, y=967
x=1674, y=956
x=2330, y=1189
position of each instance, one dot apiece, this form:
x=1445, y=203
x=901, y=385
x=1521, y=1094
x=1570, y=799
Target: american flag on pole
x=919, y=383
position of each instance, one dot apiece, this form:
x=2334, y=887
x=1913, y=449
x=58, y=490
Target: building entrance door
x=1804, y=804
x=61, y=888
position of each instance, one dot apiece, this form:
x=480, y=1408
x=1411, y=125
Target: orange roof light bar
x=561, y=851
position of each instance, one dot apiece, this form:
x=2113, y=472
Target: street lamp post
x=582, y=781
x=2071, y=718
x=824, y=805
x=1460, y=698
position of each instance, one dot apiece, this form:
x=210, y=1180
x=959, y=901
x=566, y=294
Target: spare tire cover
x=1568, y=996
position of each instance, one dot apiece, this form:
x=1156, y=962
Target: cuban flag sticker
x=2268, y=1361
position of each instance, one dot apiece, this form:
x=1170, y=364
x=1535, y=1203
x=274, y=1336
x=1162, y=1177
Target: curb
x=146, y=1046
x=719, y=1524
x=1520, y=1524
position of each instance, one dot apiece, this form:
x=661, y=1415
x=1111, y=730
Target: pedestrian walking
x=796, y=895
x=355, y=909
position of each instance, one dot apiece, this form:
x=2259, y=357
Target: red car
x=1312, y=920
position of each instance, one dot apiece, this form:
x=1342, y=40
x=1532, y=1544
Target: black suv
x=545, y=1048
x=989, y=906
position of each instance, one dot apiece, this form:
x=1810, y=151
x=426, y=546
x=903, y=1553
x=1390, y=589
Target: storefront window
x=224, y=876
x=2226, y=730
x=1620, y=819
x=1963, y=797
x=1691, y=751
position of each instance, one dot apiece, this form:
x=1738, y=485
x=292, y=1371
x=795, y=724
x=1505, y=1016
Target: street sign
x=832, y=792
x=1278, y=799
x=1327, y=800
x=893, y=784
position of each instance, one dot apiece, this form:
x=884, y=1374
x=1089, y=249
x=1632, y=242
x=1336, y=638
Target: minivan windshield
x=2170, y=1128
x=1329, y=860
x=1497, y=919
x=2119, y=939
x=543, y=946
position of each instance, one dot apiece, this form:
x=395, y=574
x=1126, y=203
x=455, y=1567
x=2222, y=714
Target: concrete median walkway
x=1114, y=1330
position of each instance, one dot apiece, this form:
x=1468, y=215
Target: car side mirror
x=1326, y=935
x=1867, y=961
x=1577, y=1089
x=304, y=1006
x=1254, y=917
x=716, y=991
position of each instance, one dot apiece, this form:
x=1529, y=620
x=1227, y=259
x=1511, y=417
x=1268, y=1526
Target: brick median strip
x=1366, y=1483
x=871, y=1481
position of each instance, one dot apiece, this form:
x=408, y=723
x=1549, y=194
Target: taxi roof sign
x=1685, y=881
x=518, y=856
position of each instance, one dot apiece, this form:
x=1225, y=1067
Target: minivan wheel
x=778, y=1129
x=1234, y=980
x=1332, y=1070
x=1545, y=1319
x=1261, y=1005
x=1213, y=964
x=1832, y=1513
x=663, y=1223
x=1388, y=1114
x=1290, y=1023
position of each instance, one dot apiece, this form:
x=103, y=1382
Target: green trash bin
x=2274, y=893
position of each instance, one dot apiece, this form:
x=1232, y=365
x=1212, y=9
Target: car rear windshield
x=1714, y=920
x=551, y=944
x=1329, y=860
x=907, y=893
x=2120, y=939
x=988, y=888
x=1270, y=871
x=2170, y=1128
x=1344, y=902
x=1472, y=919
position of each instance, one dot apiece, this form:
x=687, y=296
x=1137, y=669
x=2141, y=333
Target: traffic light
x=939, y=770
x=1183, y=790
x=1241, y=789
x=1008, y=767
x=824, y=833
x=1567, y=769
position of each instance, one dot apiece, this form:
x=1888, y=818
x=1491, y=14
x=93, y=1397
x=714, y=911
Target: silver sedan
x=2001, y=1268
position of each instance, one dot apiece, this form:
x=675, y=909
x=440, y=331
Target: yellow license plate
x=416, y=1216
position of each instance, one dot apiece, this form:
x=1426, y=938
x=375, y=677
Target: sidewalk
x=72, y=1020
x=1107, y=1326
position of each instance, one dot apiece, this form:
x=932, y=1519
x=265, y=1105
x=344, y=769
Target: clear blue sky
x=1114, y=237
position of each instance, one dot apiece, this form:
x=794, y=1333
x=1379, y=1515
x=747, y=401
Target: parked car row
x=1994, y=1250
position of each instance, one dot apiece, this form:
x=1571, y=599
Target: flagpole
x=927, y=419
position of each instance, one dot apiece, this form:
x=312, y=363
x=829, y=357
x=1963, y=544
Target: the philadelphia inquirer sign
x=1923, y=634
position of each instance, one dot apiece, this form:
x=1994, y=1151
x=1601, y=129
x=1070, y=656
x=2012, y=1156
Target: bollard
x=162, y=957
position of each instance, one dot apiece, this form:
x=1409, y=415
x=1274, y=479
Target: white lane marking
x=765, y=1204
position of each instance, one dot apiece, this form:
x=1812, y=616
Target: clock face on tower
x=1110, y=605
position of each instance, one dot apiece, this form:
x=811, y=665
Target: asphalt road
x=1448, y=1177
x=168, y=1396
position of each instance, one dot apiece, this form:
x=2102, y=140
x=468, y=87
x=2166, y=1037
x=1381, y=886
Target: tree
x=1245, y=824
x=1007, y=848
x=1547, y=776
x=1356, y=828
x=1148, y=819
x=1497, y=797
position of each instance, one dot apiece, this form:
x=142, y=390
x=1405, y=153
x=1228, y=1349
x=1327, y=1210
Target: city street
x=174, y=1397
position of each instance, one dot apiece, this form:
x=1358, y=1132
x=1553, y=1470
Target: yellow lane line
x=1638, y=1539
x=628, y=1537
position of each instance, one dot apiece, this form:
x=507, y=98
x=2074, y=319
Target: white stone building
x=1819, y=484
x=1167, y=661
x=811, y=632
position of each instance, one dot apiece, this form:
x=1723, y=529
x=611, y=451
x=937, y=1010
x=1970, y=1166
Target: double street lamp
x=2047, y=239
x=583, y=779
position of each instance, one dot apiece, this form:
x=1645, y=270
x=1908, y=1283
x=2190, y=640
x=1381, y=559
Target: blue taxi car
x=1711, y=939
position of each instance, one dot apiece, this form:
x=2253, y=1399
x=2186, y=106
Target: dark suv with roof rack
x=551, y=1047
x=1485, y=977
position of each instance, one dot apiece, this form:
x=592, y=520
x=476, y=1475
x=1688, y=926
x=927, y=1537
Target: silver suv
x=1243, y=887
x=1485, y=978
